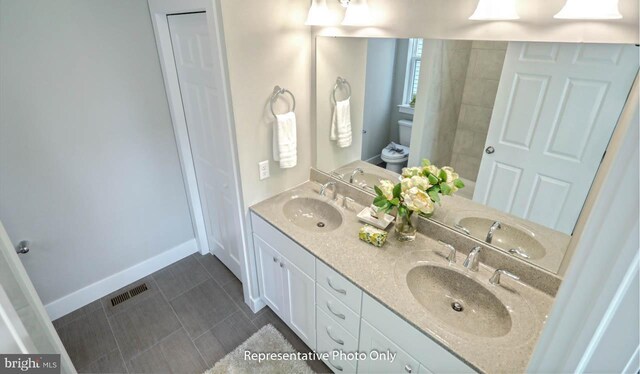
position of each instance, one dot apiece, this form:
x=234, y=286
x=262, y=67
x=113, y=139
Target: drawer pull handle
x=339, y=368
x=408, y=368
x=338, y=290
x=339, y=341
x=339, y=315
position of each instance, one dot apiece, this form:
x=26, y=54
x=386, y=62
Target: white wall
x=267, y=44
x=444, y=19
x=346, y=58
x=378, y=104
x=88, y=163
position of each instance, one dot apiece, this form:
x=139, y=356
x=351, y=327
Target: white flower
x=386, y=187
x=417, y=200
x=415, y=181
x=411, y=172
x=432, y=169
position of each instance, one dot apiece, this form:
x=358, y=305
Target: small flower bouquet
x=416, y=194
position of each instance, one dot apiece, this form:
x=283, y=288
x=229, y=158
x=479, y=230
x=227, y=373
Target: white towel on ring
x=341, y=124
x=284, y=140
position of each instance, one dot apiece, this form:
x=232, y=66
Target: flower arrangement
x=416, y=194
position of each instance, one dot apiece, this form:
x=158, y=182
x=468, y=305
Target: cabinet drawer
x=429, y=353
x=335, y=363
x=338, y=286
x=334, y=334
x=371, y=340
x=339, y=312
x=304, y=260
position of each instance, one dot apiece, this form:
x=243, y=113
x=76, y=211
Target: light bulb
x=589, y=9
x=495, y=10
x=319, y=14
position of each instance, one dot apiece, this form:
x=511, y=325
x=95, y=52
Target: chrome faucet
x=473, y=259
x=327, y=185
x=495, y=278
x=496, y=225
x=353, y=174
x=451, y=257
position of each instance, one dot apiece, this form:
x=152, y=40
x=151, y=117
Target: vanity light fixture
x=496, y=10
x=357, y=13
x=319, y=14
x=590, y=9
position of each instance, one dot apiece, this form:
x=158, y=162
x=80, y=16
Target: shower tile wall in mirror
x=524, y=124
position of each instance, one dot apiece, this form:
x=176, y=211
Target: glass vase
x=406, y=226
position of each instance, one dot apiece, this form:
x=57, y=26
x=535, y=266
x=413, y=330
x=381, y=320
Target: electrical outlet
x=263, y=166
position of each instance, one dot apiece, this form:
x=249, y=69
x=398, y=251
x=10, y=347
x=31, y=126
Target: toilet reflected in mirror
x=395, y=156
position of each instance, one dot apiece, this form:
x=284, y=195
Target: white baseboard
x=257, y=304
x=103, y=287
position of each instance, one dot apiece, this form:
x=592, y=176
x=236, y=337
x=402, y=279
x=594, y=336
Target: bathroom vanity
x=340, y=294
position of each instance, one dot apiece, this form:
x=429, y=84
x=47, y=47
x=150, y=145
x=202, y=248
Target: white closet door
x=556, y=108
x=202, y=98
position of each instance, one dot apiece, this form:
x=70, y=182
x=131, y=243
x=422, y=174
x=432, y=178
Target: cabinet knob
x=275, y=259
x=281, y=264
x=490, y=150
x=408, y=368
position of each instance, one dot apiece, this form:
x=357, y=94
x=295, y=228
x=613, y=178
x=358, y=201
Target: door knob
x=23, y=247
x=364, y=131
x=489, y=150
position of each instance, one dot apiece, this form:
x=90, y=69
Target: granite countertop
x=380, y=273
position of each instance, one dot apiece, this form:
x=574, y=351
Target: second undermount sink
x=517, y=241
x=459, y=301
x=312, y=214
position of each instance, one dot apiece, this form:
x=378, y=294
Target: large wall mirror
x=525, y=125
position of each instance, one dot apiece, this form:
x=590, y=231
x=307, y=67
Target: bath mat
x=266, y=340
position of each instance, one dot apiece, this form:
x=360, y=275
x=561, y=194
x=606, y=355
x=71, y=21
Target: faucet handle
x=495, y=278
x=451, y=257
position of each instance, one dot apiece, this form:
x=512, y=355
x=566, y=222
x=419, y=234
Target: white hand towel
x=284, y=140
x=341, y=124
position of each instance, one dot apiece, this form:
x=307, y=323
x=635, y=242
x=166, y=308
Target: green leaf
x=433, y=179
x=426, y=162
x=434, y=196
x=402, y=211
x=445, y=189
x=443, y=175
x=378, y=191
x=395, y=201
x=458, y=183
x=380, y=201
x=435, y=188
x=397, y=189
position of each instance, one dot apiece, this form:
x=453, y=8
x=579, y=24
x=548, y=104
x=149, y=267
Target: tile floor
x=191, y=316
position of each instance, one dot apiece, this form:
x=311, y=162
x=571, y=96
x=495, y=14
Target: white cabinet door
x=270, y=276
x=300, y=300
x=556, y=108
x=373, y=343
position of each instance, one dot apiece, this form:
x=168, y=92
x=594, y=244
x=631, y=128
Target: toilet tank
x=405, y=131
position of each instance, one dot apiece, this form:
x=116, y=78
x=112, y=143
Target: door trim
x=159, y=10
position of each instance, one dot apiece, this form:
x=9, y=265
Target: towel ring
x=277, y=91
x=339, y=82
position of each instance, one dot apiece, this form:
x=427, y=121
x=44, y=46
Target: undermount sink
x=459, y=301
x=517, y=241
x=312, y=214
